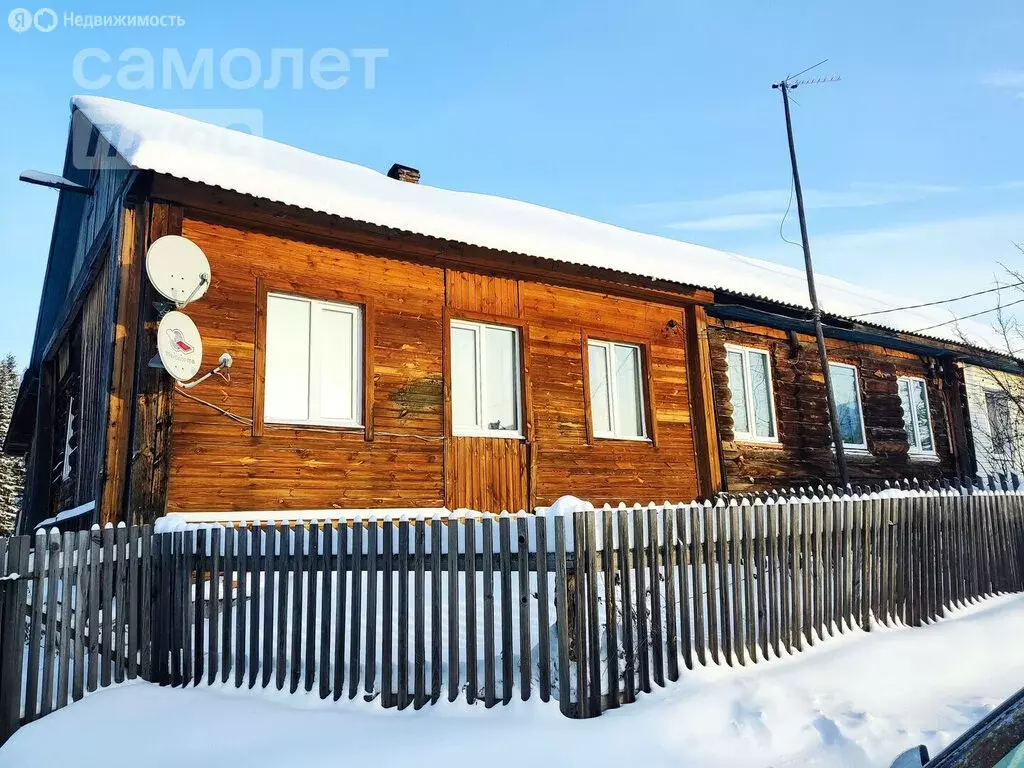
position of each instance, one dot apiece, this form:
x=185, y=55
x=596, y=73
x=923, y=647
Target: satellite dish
x=179, y=345
x=178, y=269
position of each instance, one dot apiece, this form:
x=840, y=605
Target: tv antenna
x=787, y=84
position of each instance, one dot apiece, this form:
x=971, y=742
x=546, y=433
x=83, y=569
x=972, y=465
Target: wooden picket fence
x=588, y=609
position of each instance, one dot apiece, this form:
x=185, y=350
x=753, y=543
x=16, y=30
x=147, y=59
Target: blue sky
x=658, y=116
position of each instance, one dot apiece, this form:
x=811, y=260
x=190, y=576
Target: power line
x=968, y=317
x=940, y=301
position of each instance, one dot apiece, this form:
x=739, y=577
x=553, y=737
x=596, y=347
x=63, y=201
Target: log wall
x=803, y=454
x=409, y=459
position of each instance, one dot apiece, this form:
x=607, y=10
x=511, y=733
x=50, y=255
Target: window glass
x=922, y=419
x=998, y=406
x=844, y=390
x=485, y=378
x=313, y=372
x=286, y=382
x=761, y=394
x=600, y=402
x=627, y=391
x=616, y=395
x=464, y=390
x=337, y=343
x=908, y=412
x=916, y=418
x=500, y=364
x=738, y=389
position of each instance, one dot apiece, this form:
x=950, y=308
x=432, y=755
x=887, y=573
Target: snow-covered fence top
x=586, y=608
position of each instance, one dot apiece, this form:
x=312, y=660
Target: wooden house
x=397, y=345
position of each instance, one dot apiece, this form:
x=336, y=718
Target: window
x=846, y=391
x=997, y=405
x=616, y=394
x=485, y=379
x=314, y=362
x=916, y=418
x=750, y=385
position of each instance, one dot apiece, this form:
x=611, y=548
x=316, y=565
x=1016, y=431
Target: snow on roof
x=180, y=146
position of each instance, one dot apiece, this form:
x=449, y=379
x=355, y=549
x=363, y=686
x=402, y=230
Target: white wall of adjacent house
x=995, y=401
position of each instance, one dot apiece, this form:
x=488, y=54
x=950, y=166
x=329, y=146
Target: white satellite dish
x=178, y=269
x=179, y=345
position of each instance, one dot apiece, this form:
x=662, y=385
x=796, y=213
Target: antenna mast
x=785, y=86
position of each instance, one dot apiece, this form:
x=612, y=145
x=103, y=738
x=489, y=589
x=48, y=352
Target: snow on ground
x=855, y=701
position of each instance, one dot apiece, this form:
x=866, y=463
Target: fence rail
x=587, y=609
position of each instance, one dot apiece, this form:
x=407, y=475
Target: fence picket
x=783, y=544
x=808, y=569
x=227, y=624
x=561, y=604
x=270, y=545
x=120, y=616
x=543, y=618
x=747, y=568
x=578, y=614
x=257, y=540
x=643, y=635
x=454, y=638
x=505, y=583
x=12, y=637
x=67, y=593
x=403, y=613
x=419, y=617
x=341, y=564
x=764, y=574
x=628, y=641
x=387, y=647
x=682, y=549
x=214, y=611
x=797, y=563
x=711, y=579
x=488, y=577
x=238, y=585
x=358, y=564
x=185, y=608
x=671, y=545
x=296, y=565
x=283, y=562
x=697, y=547
x=49, y=649
x=472, y=688
x=654, y=579
x=593, y=633
x=35, y=631
x=436, y=650
x=370, y=671
x=523, y=557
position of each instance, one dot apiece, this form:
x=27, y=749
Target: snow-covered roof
x=180, y=146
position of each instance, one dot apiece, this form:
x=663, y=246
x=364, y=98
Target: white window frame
x=609, y=347
x=748, y=394
x=479, y=328
x=915, y=446
x=317, y=348
x=860, y=406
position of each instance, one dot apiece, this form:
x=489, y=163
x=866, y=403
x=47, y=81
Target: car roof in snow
x=186, y=148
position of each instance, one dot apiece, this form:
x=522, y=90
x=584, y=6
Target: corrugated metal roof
x=179, y=146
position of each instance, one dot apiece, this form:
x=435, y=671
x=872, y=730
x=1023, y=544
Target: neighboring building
x=996, y=403
x=397, y=345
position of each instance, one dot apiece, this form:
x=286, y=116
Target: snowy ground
x=855, y=701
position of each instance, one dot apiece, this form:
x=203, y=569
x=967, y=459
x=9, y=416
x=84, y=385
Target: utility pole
x=833, y=416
